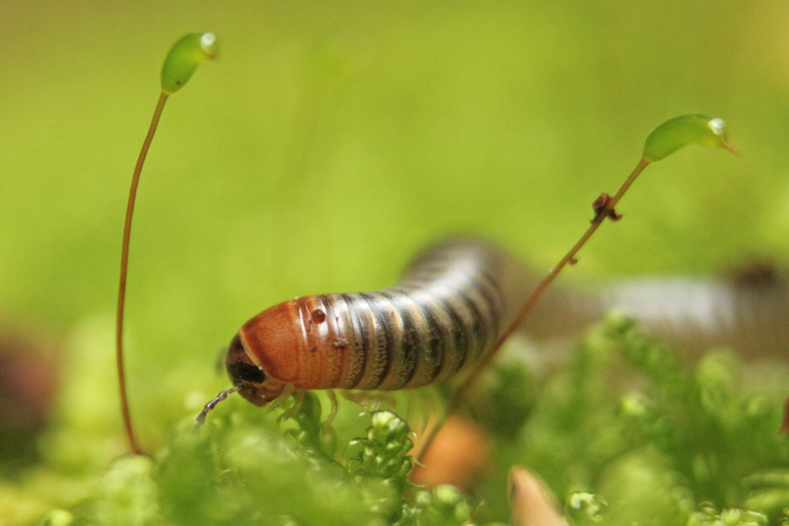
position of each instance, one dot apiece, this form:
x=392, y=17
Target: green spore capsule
x=682, y=131
x=184, y=57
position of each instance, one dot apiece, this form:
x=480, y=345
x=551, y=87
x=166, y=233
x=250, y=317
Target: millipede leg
x=298, y=400
x=369, y=402
x=333, y=410
x=422, y=406
x=280, y=399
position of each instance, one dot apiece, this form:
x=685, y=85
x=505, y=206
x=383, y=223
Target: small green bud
x=449, y=505
x=586, y=508
x=386, y=448
x=682, y=131
x=184, y=57
x=56, y=518
x=634, y=406
x=708, y=516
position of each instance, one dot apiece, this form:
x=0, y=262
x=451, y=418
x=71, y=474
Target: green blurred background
x=335, y=138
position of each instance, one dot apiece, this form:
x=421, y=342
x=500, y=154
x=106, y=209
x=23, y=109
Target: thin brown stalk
x=124, y=268
x=606, y=209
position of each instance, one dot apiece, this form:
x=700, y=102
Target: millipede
x=446, y=312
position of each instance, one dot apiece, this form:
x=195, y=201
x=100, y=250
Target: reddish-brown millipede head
x=250, y=378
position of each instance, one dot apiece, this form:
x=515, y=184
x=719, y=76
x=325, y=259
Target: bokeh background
x=334, y=138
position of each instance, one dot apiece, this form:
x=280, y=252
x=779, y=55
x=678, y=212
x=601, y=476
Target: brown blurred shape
x=459, y=455
x=28, y=382
x=531, y=501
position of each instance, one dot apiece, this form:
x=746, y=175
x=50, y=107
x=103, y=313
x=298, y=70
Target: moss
x=624, y=434
x=657, y=438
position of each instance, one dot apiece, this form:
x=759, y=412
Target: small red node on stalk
x=600, y=207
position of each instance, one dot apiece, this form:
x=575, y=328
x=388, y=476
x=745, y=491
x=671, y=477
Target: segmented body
x=747, y=312
x=439, y=320
x=450, y=307
x=695, y=314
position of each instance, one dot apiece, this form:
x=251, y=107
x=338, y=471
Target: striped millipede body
x=448, y=310
x=439, y=320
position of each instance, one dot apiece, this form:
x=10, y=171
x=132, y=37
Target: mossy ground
x=623, y=424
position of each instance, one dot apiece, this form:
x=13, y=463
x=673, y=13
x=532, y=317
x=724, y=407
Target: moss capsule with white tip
x=184, y=57
x=686, y=130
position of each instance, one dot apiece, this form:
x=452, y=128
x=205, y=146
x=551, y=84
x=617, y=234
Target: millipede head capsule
x=249, y=378
x=260, y=360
